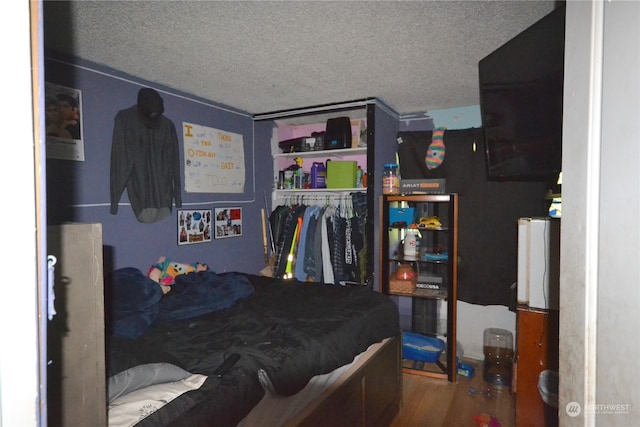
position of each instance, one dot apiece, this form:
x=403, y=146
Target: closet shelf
x=320, y=190
x=323, y=153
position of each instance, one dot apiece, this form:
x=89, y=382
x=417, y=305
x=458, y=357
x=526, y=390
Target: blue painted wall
x=79, y=191
x=451, y=118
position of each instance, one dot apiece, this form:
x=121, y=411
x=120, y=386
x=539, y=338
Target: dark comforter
x=290, y=330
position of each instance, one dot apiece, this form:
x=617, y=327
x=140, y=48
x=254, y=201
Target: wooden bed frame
x=370, y=397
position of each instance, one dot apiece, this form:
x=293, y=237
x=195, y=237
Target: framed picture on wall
x=194, y=226
x=228, y=222
x=63, y=121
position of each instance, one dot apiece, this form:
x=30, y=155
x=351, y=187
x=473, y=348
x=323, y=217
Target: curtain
x=488, y=212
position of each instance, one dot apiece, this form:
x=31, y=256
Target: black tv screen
x=521, y=87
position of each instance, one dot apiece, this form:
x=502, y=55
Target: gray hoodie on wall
x=146, y=161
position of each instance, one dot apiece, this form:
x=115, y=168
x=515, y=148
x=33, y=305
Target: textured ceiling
x=262, y=56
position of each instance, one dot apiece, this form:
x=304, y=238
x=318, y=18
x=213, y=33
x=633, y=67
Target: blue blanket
x=135, y=302
x=195, y=294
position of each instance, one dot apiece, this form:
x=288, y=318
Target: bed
x=310, y=354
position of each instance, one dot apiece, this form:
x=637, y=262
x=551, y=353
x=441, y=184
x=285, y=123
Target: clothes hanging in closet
x=320, y=243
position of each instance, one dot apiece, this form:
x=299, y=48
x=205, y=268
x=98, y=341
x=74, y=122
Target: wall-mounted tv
x=521, y=87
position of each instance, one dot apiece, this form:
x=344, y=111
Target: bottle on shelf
x=410, y=248
x=288, y=179
x=318, y=175
x=359, y=175
x=390, y=179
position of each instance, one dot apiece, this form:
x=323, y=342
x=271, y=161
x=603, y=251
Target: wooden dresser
x=536, y=350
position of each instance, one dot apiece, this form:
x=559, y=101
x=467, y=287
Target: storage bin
x=421, y=348
x=402, y=286
x=397, y=215
x=341, y=174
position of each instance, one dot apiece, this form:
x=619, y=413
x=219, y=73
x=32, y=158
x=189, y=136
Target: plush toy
x=436, y=151
x=164, y=271
x=486, y=420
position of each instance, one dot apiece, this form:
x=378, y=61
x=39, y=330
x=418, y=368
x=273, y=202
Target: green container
x=341, y=174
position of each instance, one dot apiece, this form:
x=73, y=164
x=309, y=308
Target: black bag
x=412, y=151
x=338, y=133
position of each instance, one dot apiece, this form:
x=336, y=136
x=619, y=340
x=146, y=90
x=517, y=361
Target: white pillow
x=129, y=409
x=142, y=376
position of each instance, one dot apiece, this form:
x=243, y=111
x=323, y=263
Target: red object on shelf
x=405, y=272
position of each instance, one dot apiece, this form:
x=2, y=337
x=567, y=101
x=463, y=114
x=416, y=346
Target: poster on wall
x=214, y=160
x=194, y=226
x=228, y=222
x=63, y=121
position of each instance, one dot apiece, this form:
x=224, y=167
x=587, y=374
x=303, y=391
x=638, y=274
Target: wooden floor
x=433, y=402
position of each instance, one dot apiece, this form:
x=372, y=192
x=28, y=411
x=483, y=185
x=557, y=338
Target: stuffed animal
x=164, y=271
x=436, y=150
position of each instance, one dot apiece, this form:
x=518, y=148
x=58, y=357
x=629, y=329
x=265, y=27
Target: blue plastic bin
x=397, y=215
x=421, y=348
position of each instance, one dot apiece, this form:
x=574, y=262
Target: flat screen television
x=521, y=86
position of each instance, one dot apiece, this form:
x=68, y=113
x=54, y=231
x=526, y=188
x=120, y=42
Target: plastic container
x=498, y=356
x=298, y=179
x=359, y=175
x=288, y=179
x=465, y=370
x=342, y=174
x=390, y=179
x=318, y=175
x=410, y=249
x=421, y=348
x=401, y=215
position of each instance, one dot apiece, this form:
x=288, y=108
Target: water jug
x=318, y=175
x=498, y=356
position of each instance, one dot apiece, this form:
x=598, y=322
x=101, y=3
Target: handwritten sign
x=214, y=160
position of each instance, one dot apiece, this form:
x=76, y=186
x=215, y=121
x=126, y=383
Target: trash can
x=548, y=387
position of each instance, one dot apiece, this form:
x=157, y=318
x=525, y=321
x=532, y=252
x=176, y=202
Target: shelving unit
x=434, y=260
x=282, y=159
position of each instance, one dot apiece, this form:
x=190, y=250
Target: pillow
x=132, y=302
x=142, y=376
x=156, y=404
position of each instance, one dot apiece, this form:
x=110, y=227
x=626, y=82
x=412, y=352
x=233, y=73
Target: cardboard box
x=429, y=282
x=423, y=186
x=341, y=174
x=357, y=127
